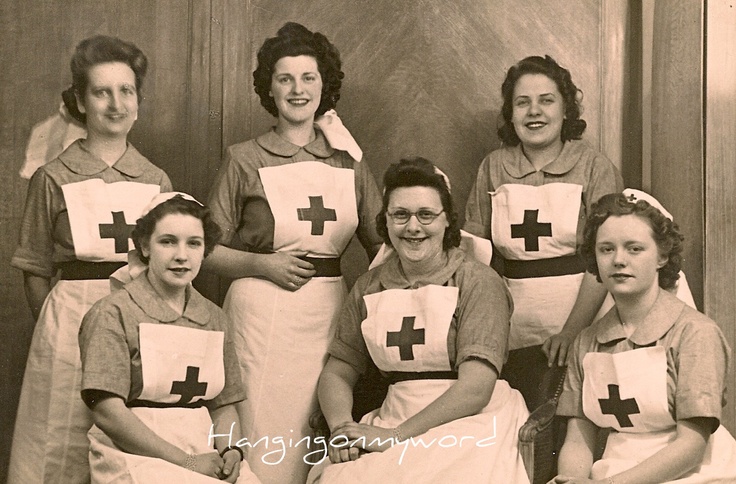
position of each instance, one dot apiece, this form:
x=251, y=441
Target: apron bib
x=530, y=225
x=102, y=216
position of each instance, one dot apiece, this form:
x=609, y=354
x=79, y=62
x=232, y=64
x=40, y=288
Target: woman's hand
x=230, y=467
x=288, y=271
x=556, y=348
x=209, y=464
x=367, y=437
x=339, y=447
x=573, y=480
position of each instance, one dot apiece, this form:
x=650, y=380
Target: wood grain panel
x=720, y=180
x=677, y=130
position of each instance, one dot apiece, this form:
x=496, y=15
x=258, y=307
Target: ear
x=270, y=94
x=145, y=248
x=80, y=104
x=662, y=261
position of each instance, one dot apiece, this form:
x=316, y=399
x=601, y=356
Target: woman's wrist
x=190, y=463
x=235, y=448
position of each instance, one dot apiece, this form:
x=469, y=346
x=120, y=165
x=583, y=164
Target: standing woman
x=288, y=203
x=652, y=371
x=79, y=213
x=531, y=198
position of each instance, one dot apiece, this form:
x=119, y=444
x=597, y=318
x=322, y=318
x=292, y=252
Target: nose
x=534, y=108
x=181, y=252
x=115, y=101
x=413, y=223
x=619, y=258
x=297, y=87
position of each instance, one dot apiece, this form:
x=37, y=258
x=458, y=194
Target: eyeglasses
x=425, y=217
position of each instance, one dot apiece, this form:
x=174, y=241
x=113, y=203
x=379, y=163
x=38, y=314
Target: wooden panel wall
x=720, y=179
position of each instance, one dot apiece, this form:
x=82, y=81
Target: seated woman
x=652, y=370
x=158, y=362
x=436, y=323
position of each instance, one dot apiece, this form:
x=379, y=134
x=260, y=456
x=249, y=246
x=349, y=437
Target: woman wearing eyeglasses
x=435, y=322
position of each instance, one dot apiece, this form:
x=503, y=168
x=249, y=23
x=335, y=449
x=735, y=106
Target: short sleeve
x=570, y=403
x=484, y=313
x=233, y=391
x=701, y=364
x=369, y=205
x=604, y=178
x=35, y=250
x=478, y=207
x=348, y=344
x=104, y=350
x=226, y=197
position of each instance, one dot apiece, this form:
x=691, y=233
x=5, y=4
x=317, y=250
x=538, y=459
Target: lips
x=535, y=125
x=179, y=270
x=620, y=277
x=298, y=102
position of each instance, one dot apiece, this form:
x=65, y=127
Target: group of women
x=154, y=383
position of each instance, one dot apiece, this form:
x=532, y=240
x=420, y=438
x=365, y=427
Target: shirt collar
x=392, y=276
x=662, y=316
x=82, y=162
x=277, y=145
x=146, y=297
x=518, y=166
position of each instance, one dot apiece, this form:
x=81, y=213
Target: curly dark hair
x=99, y=50
x=572, y=126
x=666, y=234
x=293, y=40
x=419, y=172
x=145, y=225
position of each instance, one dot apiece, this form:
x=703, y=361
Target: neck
x=297, y=134
x=109, y=150
x=633, y=309
x=543, y=156
x=416, y=270
x=175, y=298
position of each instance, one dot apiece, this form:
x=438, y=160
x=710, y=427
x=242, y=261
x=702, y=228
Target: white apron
x=531, y=227
x=180, y=366
x=406, y=331
x=282, y=336
x=50, y=441
x=628, y=392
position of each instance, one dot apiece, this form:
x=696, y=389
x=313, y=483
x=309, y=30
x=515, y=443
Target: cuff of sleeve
x=349, y=355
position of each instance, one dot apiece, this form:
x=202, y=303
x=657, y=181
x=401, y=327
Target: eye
x=196, y=244
x=310, y=78
x=128, y=90
x=547, y=101
x=605, y=249
x=521, y=103
x=636, y=249
x=100, y=93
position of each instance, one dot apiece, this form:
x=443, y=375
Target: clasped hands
x=225, y=468
x=350, y=440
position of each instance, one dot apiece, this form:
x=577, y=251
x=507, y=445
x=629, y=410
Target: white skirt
x=481, y=448
x=281, y=339
x=186, y=428
x=50, y=439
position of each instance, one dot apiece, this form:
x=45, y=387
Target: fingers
x=562, y=353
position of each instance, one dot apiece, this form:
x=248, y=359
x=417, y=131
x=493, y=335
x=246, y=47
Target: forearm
x=680, y=456
x=468, y=396
x=335, y=392
x=131, y=435
x=226, y=426
x=576, y=455
x=37, y=288
x=235, y=264
x=587, y=304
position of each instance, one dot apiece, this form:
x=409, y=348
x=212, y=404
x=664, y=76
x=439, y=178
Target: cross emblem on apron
x=406, y=338
x=531, y=230
x=317, y=214
x=189, y=388
x=118, y=230
x=621, y=409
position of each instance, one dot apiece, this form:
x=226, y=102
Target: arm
x=576, y=455
x=227, y=427
x=335, y=393
x=37, y=288
x=133, y=436
x=589, y=300
x=283, y=269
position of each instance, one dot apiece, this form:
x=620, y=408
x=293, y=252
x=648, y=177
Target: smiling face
x=627, y=256
x=414, y=242
x=538, y=111
x=296, y=87
x=175, y=251
x=111, y=99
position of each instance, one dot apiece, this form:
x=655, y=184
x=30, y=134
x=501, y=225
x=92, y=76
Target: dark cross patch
x=189, y=388
x=118, y=230
x=406, y=338
x=531, y=230
x=631, y=198
x=317, y=214
x=621, y=409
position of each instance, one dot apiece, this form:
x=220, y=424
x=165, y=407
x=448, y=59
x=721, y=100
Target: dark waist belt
x=325, y=267
x=150, y=404
x=398, y=376
x=78, y=270
x=556, y=266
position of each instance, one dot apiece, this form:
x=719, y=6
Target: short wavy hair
x=419, y=172
x=146, y=225
x=99, y=50
x=572, y=126
x=665, y=232
x=293, y=40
